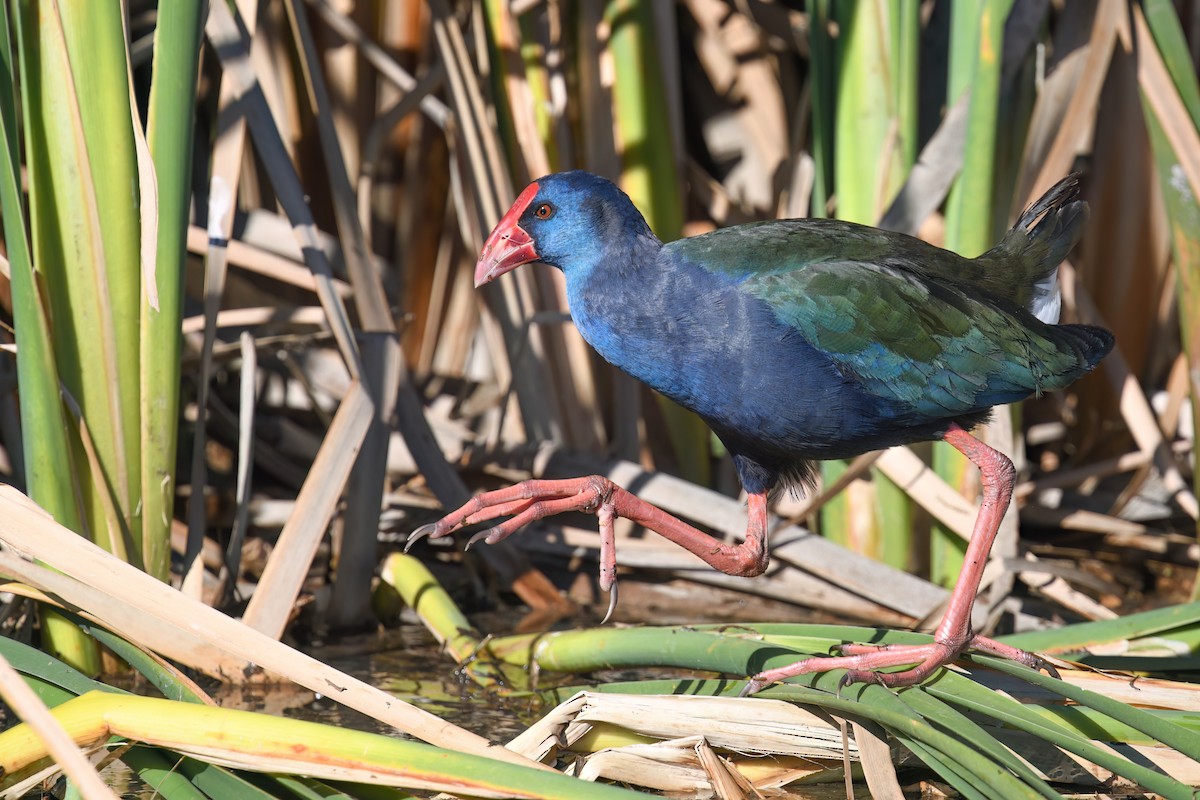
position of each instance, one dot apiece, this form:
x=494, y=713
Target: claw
x=752, y=687
x=1042, y=665
x=482, y=535
x=419, y=534
x=612, y=603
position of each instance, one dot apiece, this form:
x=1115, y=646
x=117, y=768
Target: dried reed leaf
x=1064, y=478
x=727, y=781
x=931, y=176
x=566, y=354
x=1139, y=691
x=258, y=316
x=222, y=202
x=146, y=611
x=271, y=605
x=1135, y=408
x=752, y=132
x=929, y=490
x=745, y=725
x=1082, y=520
x=370, y=298
x=1060, y=133
x=1057, y=589
x=389, y=68
x=382, y=370
x=541, y=740
x=509, y=301
x=1178, y=388
x=254, y=259
x=230, y=44
x=246, y=407
x=797, y=742
x=875, y=754
x=520, y=100
x=665, y=766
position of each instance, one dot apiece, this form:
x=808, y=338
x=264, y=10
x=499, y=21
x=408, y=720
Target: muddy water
x=418, y=672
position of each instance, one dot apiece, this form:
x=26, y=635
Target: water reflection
x=414, y=669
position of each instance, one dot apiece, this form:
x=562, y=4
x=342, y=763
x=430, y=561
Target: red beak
x=508, y=246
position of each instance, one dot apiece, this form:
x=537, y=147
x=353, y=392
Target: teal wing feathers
x=899, y=316
x=922, y=345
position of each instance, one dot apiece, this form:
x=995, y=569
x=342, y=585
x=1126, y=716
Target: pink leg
x=953, y=635
x=530, y=501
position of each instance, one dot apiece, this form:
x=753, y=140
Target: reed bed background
x=354, y=158
x=341, y=382
x=712, y=113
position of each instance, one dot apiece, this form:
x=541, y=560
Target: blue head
x=565, y=220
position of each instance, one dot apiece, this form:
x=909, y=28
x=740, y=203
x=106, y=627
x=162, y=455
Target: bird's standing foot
x=533, y=500
x=980, y=644
x=862, y=662
x=953, y=635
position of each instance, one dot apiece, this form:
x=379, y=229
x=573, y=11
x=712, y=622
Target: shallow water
x=419, y=673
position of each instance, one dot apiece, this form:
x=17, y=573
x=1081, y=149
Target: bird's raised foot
x=533, y=500
x=530, y=501
x=862, y=662
x=525, y=502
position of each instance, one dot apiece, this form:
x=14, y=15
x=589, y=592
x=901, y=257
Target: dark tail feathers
x=1046, y=243
x=1034, y=248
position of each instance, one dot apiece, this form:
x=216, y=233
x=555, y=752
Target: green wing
x=896, y=314
x=927, y=346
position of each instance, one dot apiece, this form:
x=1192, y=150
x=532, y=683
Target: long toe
x=1007, y=651
x=863, y=667
x=864, y=662
x=908, y=677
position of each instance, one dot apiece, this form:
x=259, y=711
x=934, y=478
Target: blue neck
x=617, y=295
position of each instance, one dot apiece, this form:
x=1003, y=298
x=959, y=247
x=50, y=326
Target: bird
x=798, y=341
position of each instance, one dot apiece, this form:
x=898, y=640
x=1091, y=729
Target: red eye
x=544, y=211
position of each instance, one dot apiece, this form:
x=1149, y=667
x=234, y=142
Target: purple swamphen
x=796, y=341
